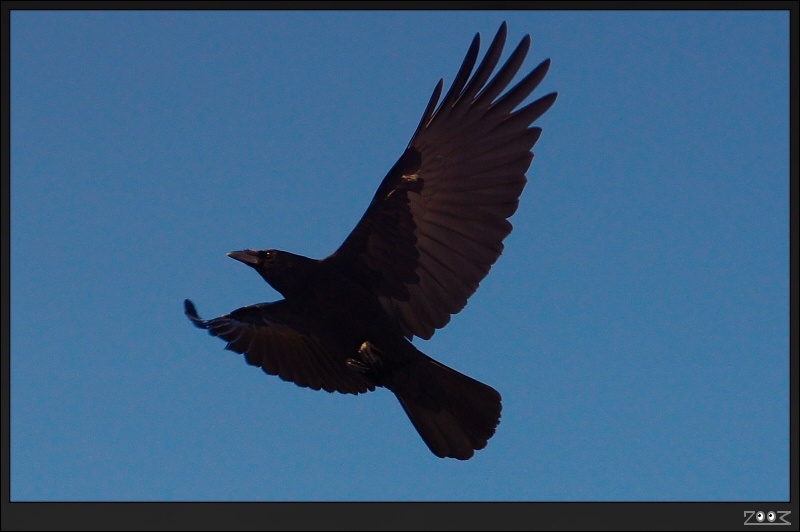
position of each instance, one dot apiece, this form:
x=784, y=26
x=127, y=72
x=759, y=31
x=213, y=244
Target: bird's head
x=284, y=271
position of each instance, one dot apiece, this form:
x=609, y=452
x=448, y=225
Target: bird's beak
x=248, y=256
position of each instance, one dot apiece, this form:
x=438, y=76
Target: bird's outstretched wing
x=270, y=336
x=438, y=219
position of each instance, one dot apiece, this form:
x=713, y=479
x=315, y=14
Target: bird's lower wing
x=270, y=336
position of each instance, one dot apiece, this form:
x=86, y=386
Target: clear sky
x=636, y=324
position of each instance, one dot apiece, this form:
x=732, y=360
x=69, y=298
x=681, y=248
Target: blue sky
x=636, y=324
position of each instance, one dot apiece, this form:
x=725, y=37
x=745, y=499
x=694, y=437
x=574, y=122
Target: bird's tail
x=455, y=414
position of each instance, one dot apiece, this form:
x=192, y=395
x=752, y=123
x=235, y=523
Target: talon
x=357, y=365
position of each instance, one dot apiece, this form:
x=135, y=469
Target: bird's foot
x=370, y=354
x=369, y=358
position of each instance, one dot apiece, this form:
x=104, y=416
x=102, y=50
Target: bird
x=429, y=236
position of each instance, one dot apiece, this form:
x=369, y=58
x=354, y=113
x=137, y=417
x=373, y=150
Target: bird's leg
x=369, y=359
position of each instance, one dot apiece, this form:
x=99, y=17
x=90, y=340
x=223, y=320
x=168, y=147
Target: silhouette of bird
x=431, y=233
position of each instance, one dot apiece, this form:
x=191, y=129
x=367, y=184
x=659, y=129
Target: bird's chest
x=346, y=313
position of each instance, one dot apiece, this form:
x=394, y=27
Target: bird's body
x=432, y=231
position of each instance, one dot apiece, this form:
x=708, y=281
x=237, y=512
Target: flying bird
x=430, y=234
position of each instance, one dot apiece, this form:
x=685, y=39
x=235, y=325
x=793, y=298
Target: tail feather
x=455, y=414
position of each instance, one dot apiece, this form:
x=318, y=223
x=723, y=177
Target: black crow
x=432, y=231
